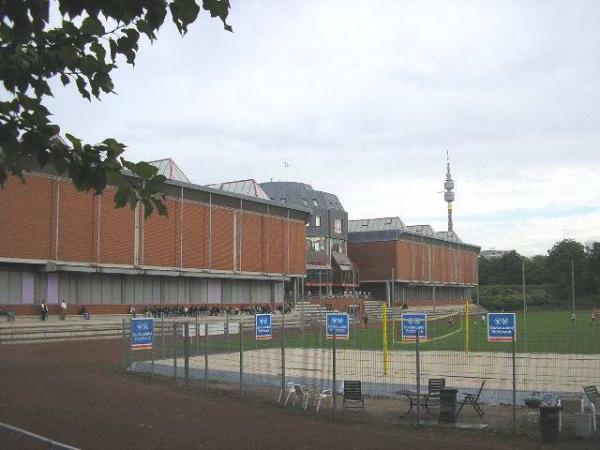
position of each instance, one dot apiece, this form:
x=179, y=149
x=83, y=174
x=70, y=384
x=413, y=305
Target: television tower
x=449, y=193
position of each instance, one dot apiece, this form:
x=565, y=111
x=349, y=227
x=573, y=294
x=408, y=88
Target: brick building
x=214, y=248
x=412, y=264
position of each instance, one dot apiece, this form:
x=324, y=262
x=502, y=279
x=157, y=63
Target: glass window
x=317, y=221
x=337, y=226
x=282, y=200
x=315, y=203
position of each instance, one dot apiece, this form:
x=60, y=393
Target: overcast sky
x=364, y=99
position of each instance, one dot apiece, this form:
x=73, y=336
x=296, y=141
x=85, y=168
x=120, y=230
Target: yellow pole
x=385, y=337
x=467, y=326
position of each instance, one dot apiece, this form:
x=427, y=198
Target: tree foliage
x=82, y=49
x=552, y=270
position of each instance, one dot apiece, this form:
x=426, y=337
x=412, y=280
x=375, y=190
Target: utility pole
x=524, y=304
x=573, y=284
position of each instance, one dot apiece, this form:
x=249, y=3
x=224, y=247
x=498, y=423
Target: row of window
x=305, y=202
x=337, y=224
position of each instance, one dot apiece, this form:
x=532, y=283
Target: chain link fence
x=498, y=386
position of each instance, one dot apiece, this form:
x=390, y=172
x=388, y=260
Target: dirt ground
x=76, y=393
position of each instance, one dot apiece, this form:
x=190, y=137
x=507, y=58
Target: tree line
x=551, y=272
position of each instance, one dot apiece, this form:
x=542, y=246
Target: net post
x=514, y=384
x=418, y=371
x=241, y=359
x=206, y=355
x=175, y=351
x=334, y=390
x=186, y=351
x=282, y=356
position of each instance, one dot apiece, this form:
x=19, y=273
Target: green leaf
x=68, y=54
x=81, y=85
x=113, y=176
x=99, y=50
x=145, y=170
x=161, y=207
x=154, y=183
x=75, y=141
x=92, y=26
x=122, y=196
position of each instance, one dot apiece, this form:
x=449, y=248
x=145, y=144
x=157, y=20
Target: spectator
x=63, y=310
x=593, y=317
x=573, y=318
x=132, y=311
x=366, y=321
x=43, y=310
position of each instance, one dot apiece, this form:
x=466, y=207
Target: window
x=282, y=200
x=315, y=203
x=337, y=226
x=317, y=221
x=304, y=202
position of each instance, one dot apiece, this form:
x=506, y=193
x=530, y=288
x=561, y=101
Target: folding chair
x=289, y=389
x=301, y=396
x=472, y=400
x=353, y=397
x=432, y=400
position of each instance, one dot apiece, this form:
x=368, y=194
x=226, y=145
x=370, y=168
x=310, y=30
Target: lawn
x=546, y=332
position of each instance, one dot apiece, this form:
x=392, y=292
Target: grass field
x=545, y=332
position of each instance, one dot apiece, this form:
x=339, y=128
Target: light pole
x=524, y=305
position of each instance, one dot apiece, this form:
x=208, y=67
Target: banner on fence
x=263, y=326
x=338, y=322
x=501, y=327
x=413, y=323
x=214, y=329
x=142, y=332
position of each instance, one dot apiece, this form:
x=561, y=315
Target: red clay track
x=76, y=393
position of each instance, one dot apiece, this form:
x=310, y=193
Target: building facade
x=328, y=267
x=412, y=264
x=214, y=248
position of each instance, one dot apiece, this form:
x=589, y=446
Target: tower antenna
x=449, y=193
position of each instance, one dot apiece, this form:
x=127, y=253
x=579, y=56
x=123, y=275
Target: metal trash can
x=549, y=423
x=448, y=405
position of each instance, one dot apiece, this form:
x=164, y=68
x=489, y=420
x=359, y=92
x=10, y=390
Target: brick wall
x=26, y=218
x=48, y=219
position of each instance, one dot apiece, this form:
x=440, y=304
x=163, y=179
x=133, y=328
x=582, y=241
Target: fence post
x=152, y=350
x=514, y=384
x=206, y=355
x=175, y=351
x=241, y=359
x=334, y=390
x=418, y=370
x=162, y=335
x=130, y=362
x=227, y=325
x=282, y=357
x=124, y=348
x=197, y=337
x=186, y=352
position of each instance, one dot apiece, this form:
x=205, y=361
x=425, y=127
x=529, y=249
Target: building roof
x=169, y=169
x=391, y=228
x=244, y=187
x=301, y=194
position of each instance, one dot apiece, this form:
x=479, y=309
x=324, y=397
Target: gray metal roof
x=169, y=169
x=244, y=187
x=391, y=228
x=301, y=194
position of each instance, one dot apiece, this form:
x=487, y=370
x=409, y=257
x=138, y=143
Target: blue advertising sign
x=413, y=323
x=501, y=327
x=338, y=322
x=263, y=326
x=142, y=332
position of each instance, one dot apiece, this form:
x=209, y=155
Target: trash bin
x=448, y=405
x=549, y=423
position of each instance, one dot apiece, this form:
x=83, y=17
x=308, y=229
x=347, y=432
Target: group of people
x=44, y=311
x=209, y=310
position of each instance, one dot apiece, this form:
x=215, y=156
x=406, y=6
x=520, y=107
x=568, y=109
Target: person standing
x=44, y=309
x=63, y=310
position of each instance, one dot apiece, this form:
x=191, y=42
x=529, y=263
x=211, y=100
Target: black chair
x=432, y=400
x=353, y=397
x=472, y=400
x=594, y=398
